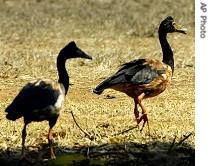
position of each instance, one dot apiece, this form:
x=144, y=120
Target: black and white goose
x=42, y=99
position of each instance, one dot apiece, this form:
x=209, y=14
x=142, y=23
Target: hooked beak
x=83, y=54
x=179, y=28
x=88, y=57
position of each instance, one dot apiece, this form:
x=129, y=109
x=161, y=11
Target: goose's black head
x=72, y=51
x=168, y=25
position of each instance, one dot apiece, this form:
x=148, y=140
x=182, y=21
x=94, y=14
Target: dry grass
x=113, y=32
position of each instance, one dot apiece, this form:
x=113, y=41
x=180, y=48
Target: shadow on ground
x=130, y=154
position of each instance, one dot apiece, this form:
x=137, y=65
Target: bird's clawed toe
x=53, y=157
x=145, y=120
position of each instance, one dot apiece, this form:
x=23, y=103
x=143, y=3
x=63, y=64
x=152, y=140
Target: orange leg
x=136, y=112
x=50, y=141
x=143, y=117
x=144, y=112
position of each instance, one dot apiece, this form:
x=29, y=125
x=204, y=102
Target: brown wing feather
x=152, y=88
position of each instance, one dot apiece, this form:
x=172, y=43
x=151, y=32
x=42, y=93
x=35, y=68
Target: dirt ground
x=112, y=32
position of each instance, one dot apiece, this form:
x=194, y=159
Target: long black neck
x=62, y=73
x=166, y=49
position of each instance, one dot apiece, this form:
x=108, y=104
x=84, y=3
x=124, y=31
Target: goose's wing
x=140, y=71
x=35, y=95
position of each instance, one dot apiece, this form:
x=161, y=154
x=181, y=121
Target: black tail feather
x=107, y=83
x=13, y=112
x=103, y=85
x=97, y=91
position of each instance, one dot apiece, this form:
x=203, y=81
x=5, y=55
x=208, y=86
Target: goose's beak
x=179, y=28
x=82, y=54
